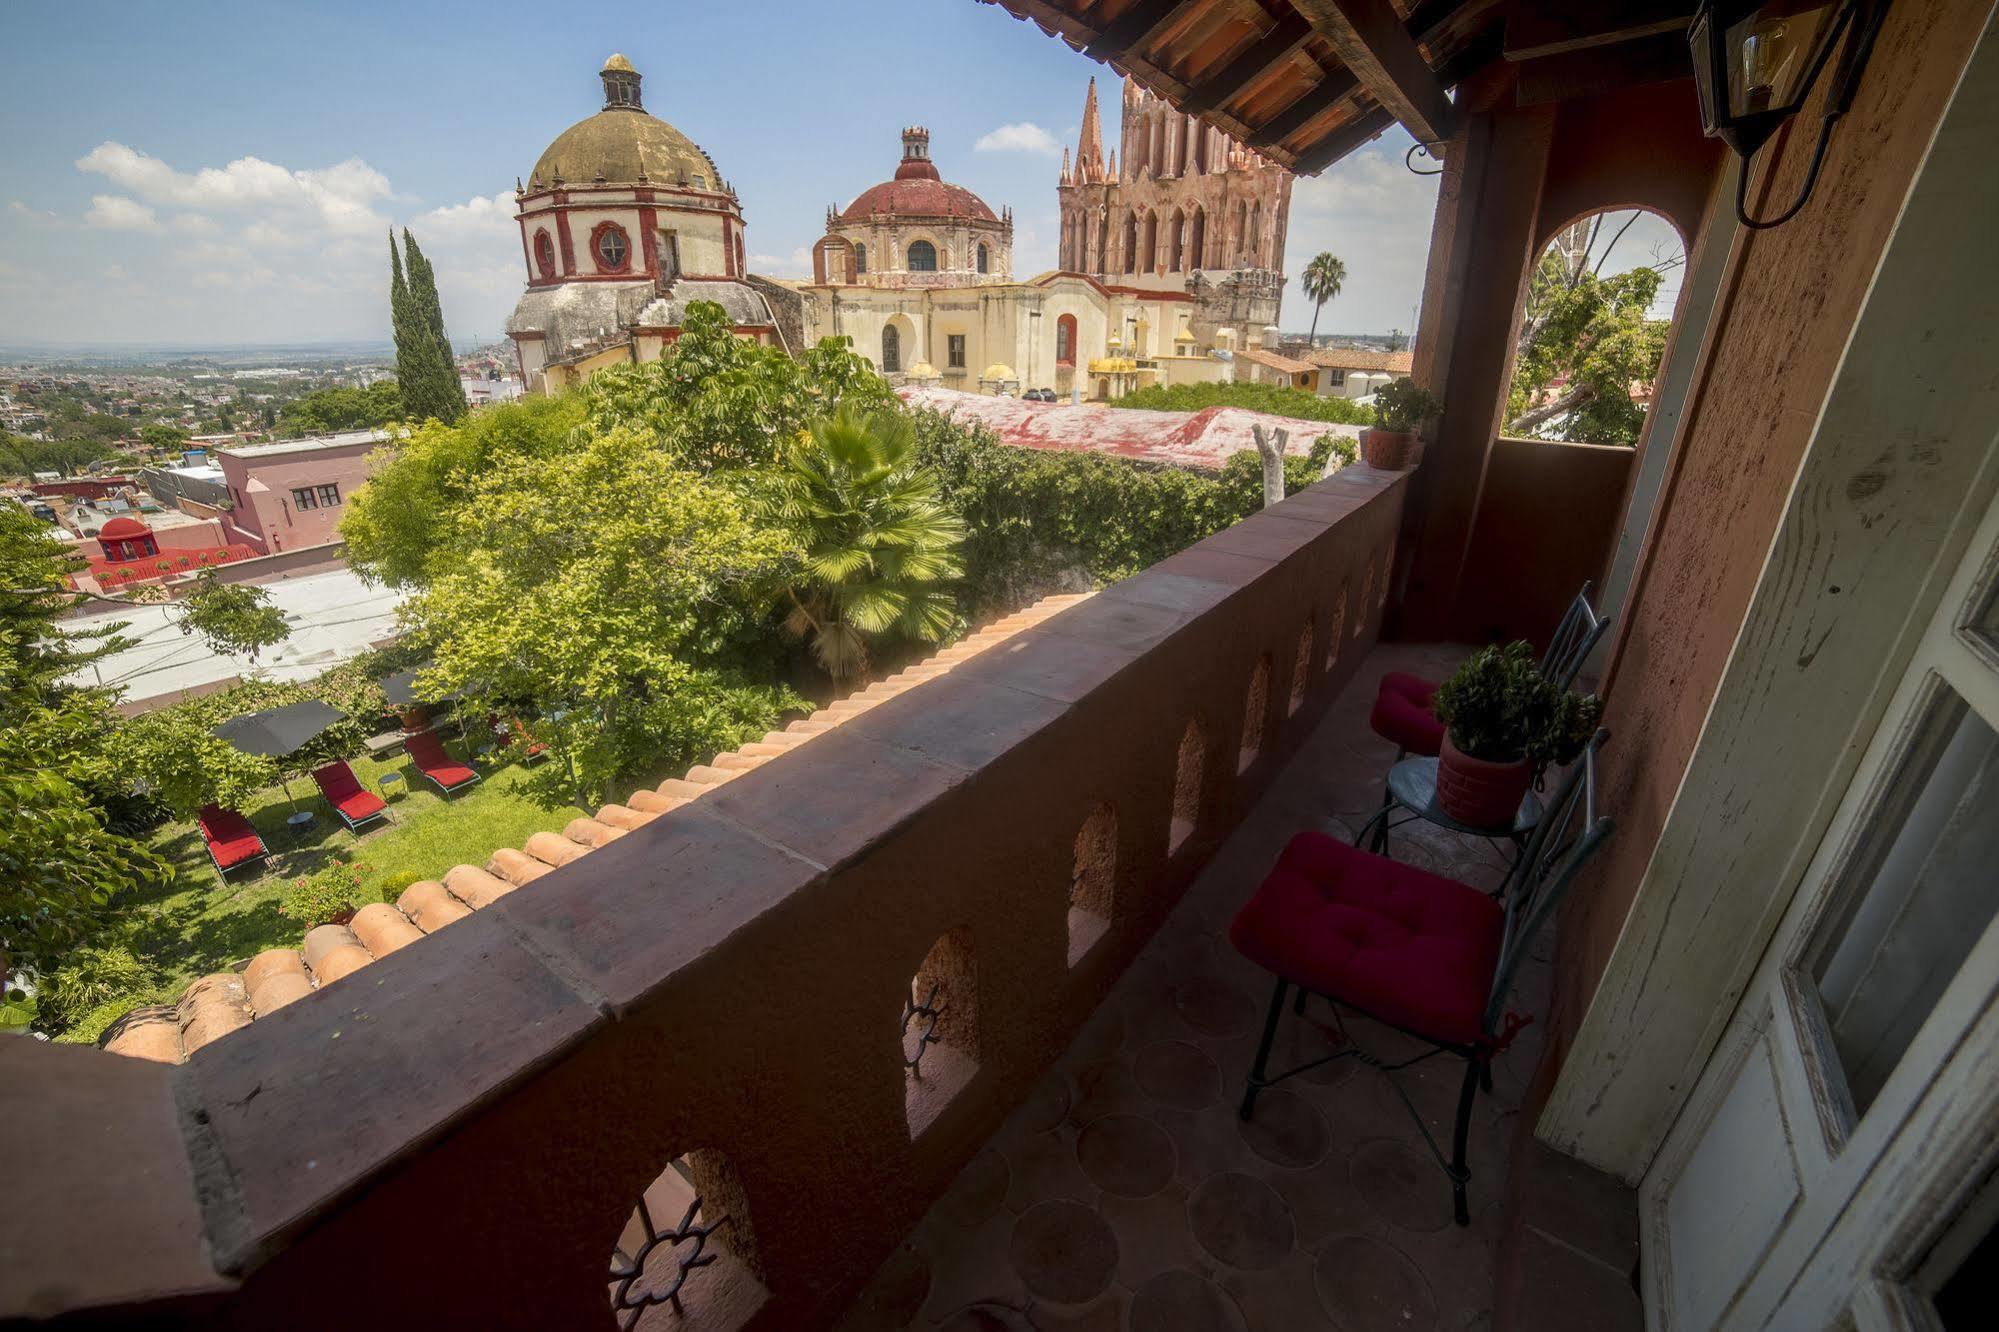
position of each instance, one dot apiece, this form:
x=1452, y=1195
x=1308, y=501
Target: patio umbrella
x=400, y=689
x=278, y=732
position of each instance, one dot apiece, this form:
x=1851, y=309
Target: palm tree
x=1324, y=277
x=880, y=547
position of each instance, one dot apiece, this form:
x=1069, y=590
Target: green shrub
x=1402, y=407
x=1499, y=707
x=1279, y=400
x=393, y=885
x=92, y=976
x=318, y=898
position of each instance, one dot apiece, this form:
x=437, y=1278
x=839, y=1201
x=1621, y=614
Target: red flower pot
x=1387, y=449
x=1477, y=792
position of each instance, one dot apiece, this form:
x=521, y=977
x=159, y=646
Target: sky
x=215, y=173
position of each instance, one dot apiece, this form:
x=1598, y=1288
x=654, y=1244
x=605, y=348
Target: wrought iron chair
x=1402, y=701
x=1427, y=956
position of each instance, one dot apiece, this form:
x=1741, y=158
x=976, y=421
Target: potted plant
x=1400, y=409
x=1504, y=722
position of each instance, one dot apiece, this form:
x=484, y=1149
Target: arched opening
x=1093, y=882
x=688, y=1249
x=1197, y=239
x=982, y=257
x=891, y=349
x=1593, y=329
x=940, y=1022
x=742, y=264
x=1148, y=245
x=1201, y=136
x=1255, y=714
x=1336, y=625
x=1387, y=568
x=1255, y=245
x=1366, y=601
x=922, y=257
x=1241, y=233
x=860, y=259
x=1065, y=340
x=1158, y=155
x=1189, y=802
x=1101, y=262
x=1131, y=242
x=544, y=255
x=1301, y=669
x=1177, y=241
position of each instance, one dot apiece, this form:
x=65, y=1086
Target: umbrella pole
x=286, y=782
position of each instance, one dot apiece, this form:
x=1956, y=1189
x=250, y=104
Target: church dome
x=623, y=144
x=124, y=529
x=917, y=189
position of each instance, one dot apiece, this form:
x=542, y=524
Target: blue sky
x=224, y=172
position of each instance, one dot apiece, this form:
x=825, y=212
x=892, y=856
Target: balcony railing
x=720, y=1065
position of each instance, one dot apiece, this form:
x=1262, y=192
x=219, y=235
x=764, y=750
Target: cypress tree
x=412, y=340
x=450, y=394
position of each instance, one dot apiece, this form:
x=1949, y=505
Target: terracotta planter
x=1388, y=450
x=415, y=717
x=1477, y=792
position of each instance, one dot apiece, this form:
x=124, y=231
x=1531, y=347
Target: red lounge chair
x=232, y=843
x=354, y=803
x=446, y=773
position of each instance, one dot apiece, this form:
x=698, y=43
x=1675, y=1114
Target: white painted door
x=1827, y=1170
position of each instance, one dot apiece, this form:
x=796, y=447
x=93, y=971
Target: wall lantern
x=1755, y=64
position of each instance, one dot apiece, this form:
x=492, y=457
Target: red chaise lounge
x=232, y=843
x=354, y=803
x=433, y=761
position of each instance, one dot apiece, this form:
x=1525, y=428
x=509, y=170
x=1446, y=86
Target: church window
x=1065, y=340
x=860, y=259
x=922, y=257
x=614, y=251
x=982, y=258
x=544, y=254
x=954, y=351
x=891, y=349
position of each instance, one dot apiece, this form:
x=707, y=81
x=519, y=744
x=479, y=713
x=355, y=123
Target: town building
x=201, y=483
x=290, y=494
x=1181, y=208
x=127, y=550
x=624, y=221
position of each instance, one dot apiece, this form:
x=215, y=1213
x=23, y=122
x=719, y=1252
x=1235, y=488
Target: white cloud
x=1375, y=214
x=797, y=265
x=340, y=197
x=482, y=218
x=117, y=273
x=114, y=212
x=35, y=216
x=192, y=224
x=1022, y=137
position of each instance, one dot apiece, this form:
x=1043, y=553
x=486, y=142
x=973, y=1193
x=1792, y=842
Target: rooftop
x=1206, y=438
x=315, y=444
x=1362, y=358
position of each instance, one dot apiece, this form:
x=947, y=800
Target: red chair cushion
x=1414, y=950
x=343, y=791
x=1402, y=714
x=231, y=839
x=436, y=762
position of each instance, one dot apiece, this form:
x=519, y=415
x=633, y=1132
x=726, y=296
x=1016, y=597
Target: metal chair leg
x=1298, y=1004
x=1460, y=1173
x=1257, y=1070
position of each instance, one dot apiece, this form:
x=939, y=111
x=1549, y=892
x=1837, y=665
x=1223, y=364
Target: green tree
x=185, y=767
x=880, y=549
x=327, y=411
x=60, y=862
x=421, y=365
x=430, y=313
x=1587, y=343
x=604, y=588
x=1277, y=399
x=399, y=527
x=235, y=619
x=162, y=438
x=1324, y=276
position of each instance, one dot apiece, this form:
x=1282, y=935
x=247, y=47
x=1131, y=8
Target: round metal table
x=1412, y=786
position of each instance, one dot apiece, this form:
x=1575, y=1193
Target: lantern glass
x=1772, y=55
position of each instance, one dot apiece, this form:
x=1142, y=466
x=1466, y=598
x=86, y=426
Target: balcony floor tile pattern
x=1126, y=1194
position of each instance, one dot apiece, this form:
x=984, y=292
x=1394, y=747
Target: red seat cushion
x=1402, y=713
x=436, y=761
x=231, y=839
x=343, y=791
x=1410, y=948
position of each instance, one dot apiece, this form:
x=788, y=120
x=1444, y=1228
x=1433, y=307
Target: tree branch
x=1578, y=396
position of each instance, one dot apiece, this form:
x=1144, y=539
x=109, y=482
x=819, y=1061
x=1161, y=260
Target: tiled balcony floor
x=1127, y=1194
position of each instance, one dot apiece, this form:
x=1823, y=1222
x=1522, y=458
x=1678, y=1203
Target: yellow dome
x=999, y=370
x=618, y=63
x=625, y=146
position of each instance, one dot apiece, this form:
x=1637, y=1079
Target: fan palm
x=1323, y=278
x=880, y=548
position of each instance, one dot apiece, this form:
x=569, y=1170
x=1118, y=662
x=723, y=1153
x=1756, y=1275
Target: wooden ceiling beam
x=1331, y=90
x=1137, y=27
x=1558, y=27
x=1340, y=142
x=1267, y=53
x=1371, y=41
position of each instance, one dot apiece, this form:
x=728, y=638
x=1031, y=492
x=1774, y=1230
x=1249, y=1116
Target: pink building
x=291, y=494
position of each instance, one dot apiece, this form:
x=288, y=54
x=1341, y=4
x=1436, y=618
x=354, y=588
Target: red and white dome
x=917, y=190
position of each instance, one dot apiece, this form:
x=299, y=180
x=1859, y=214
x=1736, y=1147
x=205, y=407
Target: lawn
x=197, y=925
